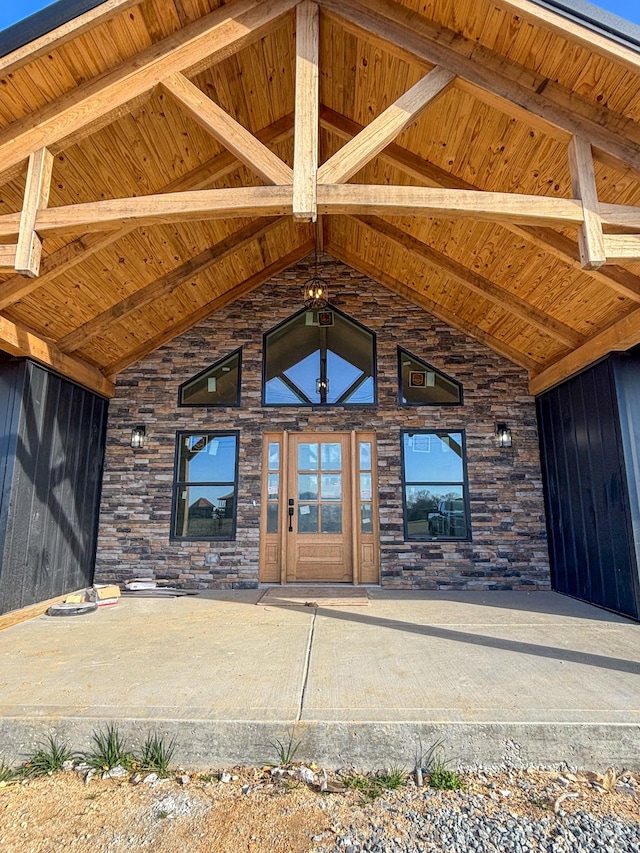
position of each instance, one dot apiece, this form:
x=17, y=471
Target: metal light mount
x=138, y=433
x=315, y=291
x=503, y=435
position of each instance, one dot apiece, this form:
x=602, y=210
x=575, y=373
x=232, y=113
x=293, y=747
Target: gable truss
x=307, y=190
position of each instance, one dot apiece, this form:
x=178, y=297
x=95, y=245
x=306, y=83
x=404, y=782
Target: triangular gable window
x=218, y=385
x=423, y=385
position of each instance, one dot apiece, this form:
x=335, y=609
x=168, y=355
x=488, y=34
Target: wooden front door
x=319, y=509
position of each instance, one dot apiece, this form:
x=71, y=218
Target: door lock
x=291, y=510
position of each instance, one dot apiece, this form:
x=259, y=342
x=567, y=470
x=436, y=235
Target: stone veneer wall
x=509, y=548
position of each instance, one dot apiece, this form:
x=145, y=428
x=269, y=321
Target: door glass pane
x=273, y=481
x=307, y=457
x=274, y=456
x=272, y=518
x=331, y=487
x=307, y=487
x=365, y=487
x=332, y=518
x=365, y=455
x=307, y=518
x=331, y=457
x=366, y=518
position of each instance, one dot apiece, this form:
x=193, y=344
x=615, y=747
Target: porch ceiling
x=500, y=172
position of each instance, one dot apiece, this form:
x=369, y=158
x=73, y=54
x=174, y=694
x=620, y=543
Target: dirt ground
x=257, y=813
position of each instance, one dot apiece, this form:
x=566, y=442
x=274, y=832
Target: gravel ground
x=285, y=811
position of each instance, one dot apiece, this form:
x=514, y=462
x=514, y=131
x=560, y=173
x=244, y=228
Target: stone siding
x=508, y=548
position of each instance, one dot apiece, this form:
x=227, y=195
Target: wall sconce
x=503, y=435
x=137, y=436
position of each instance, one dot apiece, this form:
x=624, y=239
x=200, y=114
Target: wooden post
x=307, y=112
x=36, y=197
x=583, y=180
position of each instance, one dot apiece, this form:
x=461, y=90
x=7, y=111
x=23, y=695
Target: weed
x=285, y=750
x=157, y=754
x=8, y=774
x=370, y=787
x=49, y=758
x=440, y=776
x=162, y=815
x=539, y=802
x=206, y=777
x=445, y=780
x=109, y=751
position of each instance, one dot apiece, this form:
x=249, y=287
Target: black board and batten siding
x=590, y=445
x=52, y=437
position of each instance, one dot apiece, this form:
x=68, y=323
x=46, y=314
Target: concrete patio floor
x=524, y=678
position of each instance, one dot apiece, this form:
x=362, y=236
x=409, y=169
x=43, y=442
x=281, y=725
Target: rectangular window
x=435, y=490
x=205, y=486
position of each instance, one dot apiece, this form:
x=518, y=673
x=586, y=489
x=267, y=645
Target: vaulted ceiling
x=159, y=160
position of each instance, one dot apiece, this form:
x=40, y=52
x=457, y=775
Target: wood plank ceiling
x=496, y=145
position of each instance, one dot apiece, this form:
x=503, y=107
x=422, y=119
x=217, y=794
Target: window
x=205, y=486
x=218, y=385
x=422, y=385
x=435, y=485
x=319, y=358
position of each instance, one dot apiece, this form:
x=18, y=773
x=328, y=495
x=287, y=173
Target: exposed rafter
x=212, y=38
x=427, y=173
x=619, y=336
x=216, y=304
x=36, y=198
x=500, y=296
x=384, y=129
x=432, y=307
x=82, y=248
x=19, y=340
x=166, y=284
x=583, y=180
x=507, y=85
x=236, y=138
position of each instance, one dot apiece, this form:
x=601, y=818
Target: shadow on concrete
x=456, y=636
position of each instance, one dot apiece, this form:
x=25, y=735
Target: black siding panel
x=51, y=529
x=589, y=518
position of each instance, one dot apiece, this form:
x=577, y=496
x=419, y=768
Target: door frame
x=365, y=546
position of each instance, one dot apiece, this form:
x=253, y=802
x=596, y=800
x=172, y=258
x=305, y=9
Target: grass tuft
x=8, y=774
x=285, y=750
x=371, y=787
x=49, y=758
x=157, y=754
x=109, y=751
x=440, y=776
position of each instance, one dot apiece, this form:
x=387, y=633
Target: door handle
x=291, y=510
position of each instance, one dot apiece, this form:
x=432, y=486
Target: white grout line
x=305, y=674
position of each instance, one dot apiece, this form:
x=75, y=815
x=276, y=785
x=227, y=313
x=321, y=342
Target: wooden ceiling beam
x=8, y=258
x=21, y=341
x=223, y=127
x=158, y=209
x=166, y=284
x=64, y=33
x=484, y=287
x=618, y=279
x=36, y=197
x=307, y=109
x=583, y=180
x=620, y=336
x=383, y=199
x=622, y=247
x=510, y=87
x=434, y=308
x=82, y=248
x=213, y=37
x=384, y=128
x=216, y=304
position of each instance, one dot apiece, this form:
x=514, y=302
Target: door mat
x=315, y=596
